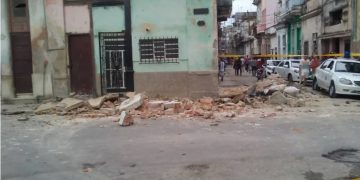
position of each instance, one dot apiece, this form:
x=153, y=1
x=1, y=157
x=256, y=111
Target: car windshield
x=295, y=64
x=350, y=67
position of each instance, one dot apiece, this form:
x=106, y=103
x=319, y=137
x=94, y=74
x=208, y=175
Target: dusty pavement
x=260, y=144
x=230, y=80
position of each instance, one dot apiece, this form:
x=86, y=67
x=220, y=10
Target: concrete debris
x=156, y=105
x=111, y=96
x=130, y=94
x=96, y=102
x=131, y=103
x=171, y=104
x=206, y=100
x=71, y=103
x=241, y=104
x=226, y=100
x=126, y=119
x=278, y=98
x=45, y=108
x=292, y=91
x=279, y=108
x=232, y=92
x=297, y=103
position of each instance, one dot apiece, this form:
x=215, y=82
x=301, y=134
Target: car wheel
x=315, y=85
x=290, y=78
x=332, y=90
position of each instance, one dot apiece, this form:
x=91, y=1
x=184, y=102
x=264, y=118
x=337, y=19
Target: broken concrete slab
x=130, y=94
x=156, y=104
x=45, y=108
x=71, y=103
x=292, y=91
x=171, y=104
x=132, y=103
x=111, y=96
x=126, y=119
x=278, y=98
x=96, y=102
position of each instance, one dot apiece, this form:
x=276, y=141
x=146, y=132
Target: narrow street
x=292, y=144
x=230, y=80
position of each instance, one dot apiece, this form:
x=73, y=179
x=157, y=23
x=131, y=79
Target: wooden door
x=22, y=61
x=81, y=64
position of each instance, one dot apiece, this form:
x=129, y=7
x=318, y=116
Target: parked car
x=289, y=69
x=338, y=76
x=270, y=66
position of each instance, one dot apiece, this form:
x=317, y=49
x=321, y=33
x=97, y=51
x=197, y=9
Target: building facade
x=355, y=46
x=162, y=47
x=311, y=23
x=337, y=26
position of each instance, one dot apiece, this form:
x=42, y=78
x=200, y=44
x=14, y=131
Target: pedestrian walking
x=237, y=66
x=314, y=64
x=304, y=69
x=246, y=63
x=253, y=67
x=222, y=69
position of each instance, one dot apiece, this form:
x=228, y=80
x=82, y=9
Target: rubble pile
x=273, y=92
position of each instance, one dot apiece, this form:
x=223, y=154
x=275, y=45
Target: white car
x=338, y=76
x=289, y=69
x=270, y=66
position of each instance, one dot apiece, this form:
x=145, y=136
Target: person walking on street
x=237, y=66
x=253, y=67
x=304, y=69
x=246, y=63
x=222, y=69
x=314, y=64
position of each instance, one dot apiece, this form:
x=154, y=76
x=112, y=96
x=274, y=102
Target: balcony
x=289, y=14
x=224, y=8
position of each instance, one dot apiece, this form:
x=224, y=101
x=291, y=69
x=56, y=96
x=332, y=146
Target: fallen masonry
x=231, y=102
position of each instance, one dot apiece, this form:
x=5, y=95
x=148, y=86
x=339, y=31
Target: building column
x=7, y=82
x=50, y=76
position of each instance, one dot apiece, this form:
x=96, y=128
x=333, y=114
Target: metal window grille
x=159, y=50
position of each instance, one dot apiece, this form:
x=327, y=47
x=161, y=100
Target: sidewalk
x=230, y=80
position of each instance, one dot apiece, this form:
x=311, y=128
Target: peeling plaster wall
x=56, y=80
x=77, y=19
x=7, y=84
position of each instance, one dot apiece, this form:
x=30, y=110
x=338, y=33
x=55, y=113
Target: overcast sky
x=241, y=6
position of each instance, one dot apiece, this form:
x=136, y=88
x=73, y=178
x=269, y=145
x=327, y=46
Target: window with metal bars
x=159, y=50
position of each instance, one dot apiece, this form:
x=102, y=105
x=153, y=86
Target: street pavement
x=316, y=142
x=230, y=80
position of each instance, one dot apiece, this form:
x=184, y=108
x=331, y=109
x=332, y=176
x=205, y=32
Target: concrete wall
x=197, y=46
x=105, y=19
x=310, y=26
x=355, y=48
x=56, y=79
x=77, y=19
x=7, y=84
x=54, y=13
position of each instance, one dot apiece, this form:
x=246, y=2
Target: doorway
x=81, y=64
x=22, y=61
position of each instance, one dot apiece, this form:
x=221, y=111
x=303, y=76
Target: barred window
x=159, y=50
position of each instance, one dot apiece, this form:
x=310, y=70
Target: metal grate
x=162, y=50
x=112, y=46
